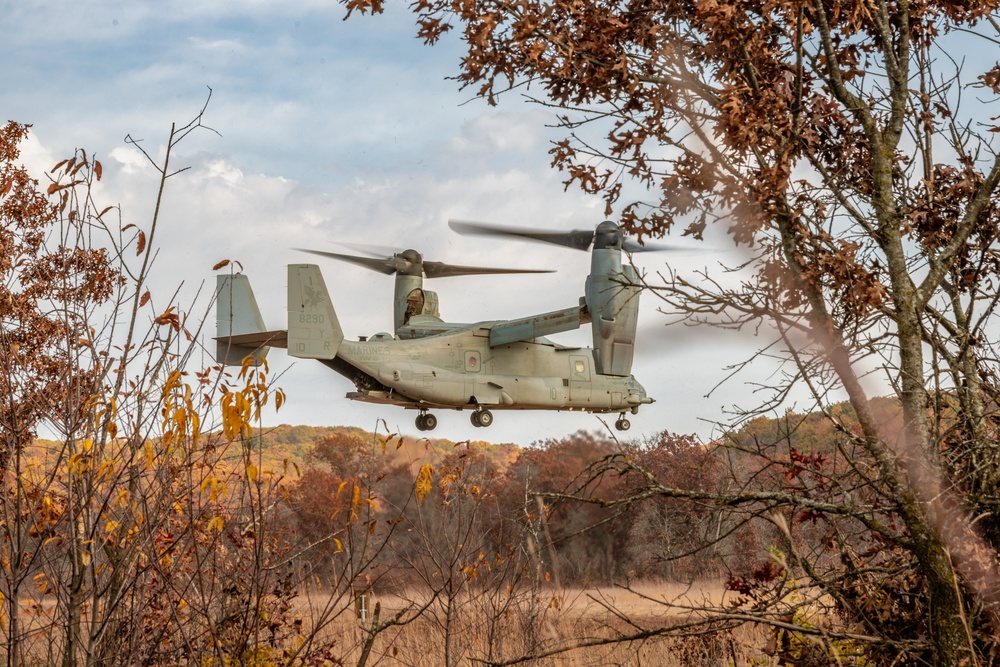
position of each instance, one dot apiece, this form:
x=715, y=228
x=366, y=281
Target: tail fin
x=237, y=314
x=313, y=328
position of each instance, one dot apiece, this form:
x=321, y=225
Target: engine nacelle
x=612, y=297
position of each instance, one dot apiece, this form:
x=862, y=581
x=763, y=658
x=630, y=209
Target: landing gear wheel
x=623, y=424
x=427, y=422
x=474, y=418
x=485, y=418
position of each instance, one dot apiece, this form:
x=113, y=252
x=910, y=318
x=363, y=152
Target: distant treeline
x=567, y=506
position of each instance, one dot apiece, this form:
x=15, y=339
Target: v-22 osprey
x=430, y=364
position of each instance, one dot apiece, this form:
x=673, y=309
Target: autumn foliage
x=142, y=530
x=849, y=147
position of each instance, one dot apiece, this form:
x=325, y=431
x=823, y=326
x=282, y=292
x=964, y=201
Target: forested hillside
x=558, y=499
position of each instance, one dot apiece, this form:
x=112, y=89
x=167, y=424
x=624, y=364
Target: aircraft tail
x=314, y=331
x=238, y=322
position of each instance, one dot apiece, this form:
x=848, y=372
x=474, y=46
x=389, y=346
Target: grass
x=480, y=629
x=557, y=625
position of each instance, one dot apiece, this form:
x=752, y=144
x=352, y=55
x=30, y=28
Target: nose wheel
x=623, y=424
x=481, y=418
x=426, y=421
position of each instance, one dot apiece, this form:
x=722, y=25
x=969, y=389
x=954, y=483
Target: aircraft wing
x=527, y=328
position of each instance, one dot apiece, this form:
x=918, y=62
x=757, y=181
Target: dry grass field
x=571, y=628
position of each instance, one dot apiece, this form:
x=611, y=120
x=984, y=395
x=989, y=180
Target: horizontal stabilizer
x=278, y=338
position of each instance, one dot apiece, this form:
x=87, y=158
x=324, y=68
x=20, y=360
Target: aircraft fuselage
x=460, y=369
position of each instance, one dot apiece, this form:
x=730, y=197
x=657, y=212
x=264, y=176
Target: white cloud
x=521, y=134
x=225, y=46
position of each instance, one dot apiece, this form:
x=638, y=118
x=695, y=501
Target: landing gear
x=481, y=418
x=426, y=421
x=623, y=424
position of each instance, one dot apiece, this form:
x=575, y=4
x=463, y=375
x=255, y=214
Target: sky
x=327, y=131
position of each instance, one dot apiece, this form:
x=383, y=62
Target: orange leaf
x=221, y=264
x=145, y=299
x=167, y=317
x=98, y=169
x=141, y=245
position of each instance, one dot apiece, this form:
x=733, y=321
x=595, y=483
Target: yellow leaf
x=216, y=523
x=424, y=479
x=251, y=472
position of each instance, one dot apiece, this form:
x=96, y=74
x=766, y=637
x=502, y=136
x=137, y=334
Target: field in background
x=474, y=632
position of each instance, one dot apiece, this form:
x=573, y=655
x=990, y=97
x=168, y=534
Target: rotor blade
x=386, y=265
x=369, y=249
x=442, y=270
x=579, y=239
x=400, y=263
x=630, y=246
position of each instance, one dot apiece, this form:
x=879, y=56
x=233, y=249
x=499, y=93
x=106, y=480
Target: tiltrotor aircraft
x=485, y=366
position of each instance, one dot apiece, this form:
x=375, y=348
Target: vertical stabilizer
x=313, y=328
x=236, y=314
